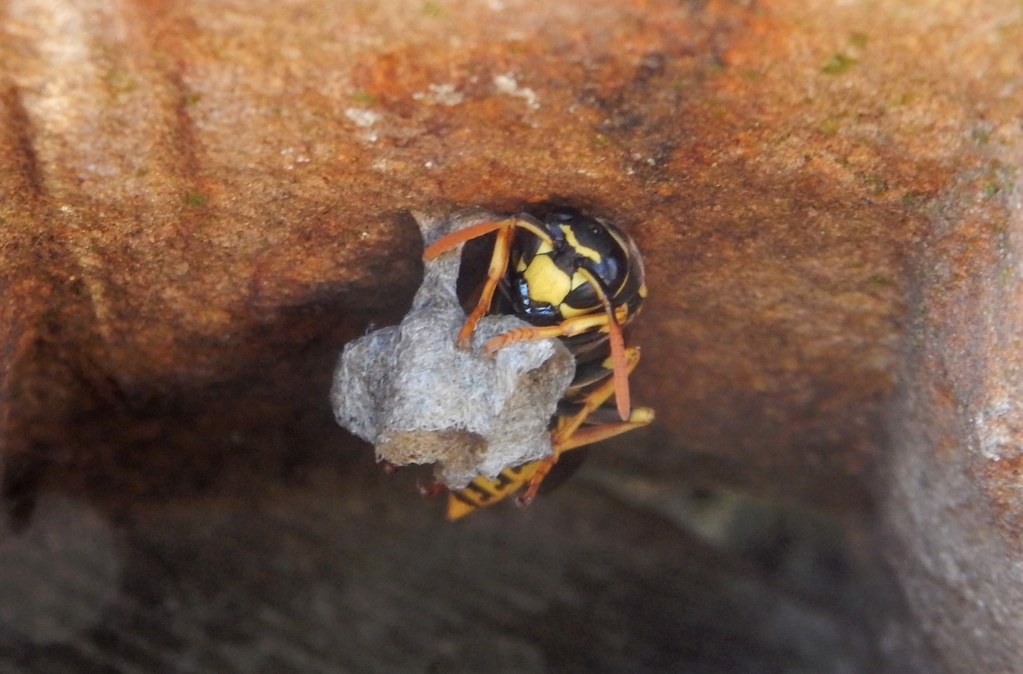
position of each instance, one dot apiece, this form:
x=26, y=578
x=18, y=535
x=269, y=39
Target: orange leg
x=609, y=321
x=617, y=341
x=498, y=260
x=567, y=435
x=482, y=492
x=641, y=416
x=431, y=489
x=567, y=426
x=566, y=328
x=498, y=265
x=446, y=243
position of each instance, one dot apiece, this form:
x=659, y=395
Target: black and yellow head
x=551, y=277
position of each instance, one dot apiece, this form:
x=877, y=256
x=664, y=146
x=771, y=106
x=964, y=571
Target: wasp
x=573, y=277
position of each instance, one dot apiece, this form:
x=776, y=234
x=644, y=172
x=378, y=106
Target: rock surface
x=201, y=203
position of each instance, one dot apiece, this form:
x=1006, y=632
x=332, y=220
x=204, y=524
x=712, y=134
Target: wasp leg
x=568, y=425
x=617, y=342
x=482, y=492
x=498, y=265
x=498, y=261
x=567, y=435
x=431, y=489
x=609, y=322
x=566, y=328
x=446, y=243
x=639, y=417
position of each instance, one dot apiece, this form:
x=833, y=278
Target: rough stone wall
x=201, y=203
x=951, y=481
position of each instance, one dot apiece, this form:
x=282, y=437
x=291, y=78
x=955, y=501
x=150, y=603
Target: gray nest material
x=418, y=398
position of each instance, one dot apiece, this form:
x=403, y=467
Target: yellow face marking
x=546, y=282
x=567, y=311
x=570, y=312
x=585, y=251
x=578, y=279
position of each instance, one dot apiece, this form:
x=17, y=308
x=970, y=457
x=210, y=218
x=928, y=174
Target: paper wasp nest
x=418, y=398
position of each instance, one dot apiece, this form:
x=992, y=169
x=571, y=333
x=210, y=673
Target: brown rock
x=201, y=203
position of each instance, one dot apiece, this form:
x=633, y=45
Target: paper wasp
x=573, y=277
